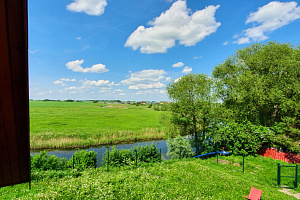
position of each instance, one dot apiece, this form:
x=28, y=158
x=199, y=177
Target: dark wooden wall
x=14, y=98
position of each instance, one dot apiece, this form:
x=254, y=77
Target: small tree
x=179, y=148
x=192, y=105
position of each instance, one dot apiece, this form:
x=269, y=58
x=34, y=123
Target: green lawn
x=173, y=179
x=56, y=124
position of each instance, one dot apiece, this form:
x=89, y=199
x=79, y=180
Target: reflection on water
x=161, y=144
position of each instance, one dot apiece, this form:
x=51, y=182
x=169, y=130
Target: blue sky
x=131, y=50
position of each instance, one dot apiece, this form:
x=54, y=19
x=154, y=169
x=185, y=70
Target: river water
x=100, y=150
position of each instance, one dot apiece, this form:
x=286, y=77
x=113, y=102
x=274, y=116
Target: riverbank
x=55, y=124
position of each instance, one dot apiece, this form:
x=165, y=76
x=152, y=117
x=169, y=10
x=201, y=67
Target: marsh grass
x=79, y=124
x=173, y=179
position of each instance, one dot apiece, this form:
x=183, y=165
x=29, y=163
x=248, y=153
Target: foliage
x=147, y=153
x=243, y=138
x=43, y=161
x=160, y=107
x=179, y=147
x=192, y=106
x=122, y=157
x=261, y=82
x=82, y=159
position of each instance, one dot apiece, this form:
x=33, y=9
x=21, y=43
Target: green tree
x=261, y=84
x=192, y=105
x=179, y=147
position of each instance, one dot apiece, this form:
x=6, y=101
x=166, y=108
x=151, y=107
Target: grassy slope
x=74, y=124
x=185, y=179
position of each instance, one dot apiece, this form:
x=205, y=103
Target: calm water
x=161, y=144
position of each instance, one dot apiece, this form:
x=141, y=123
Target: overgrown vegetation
x=173, y=179
x=122, y=157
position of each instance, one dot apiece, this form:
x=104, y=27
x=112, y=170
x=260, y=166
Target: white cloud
x=118, y=90
x=43, y=93
x=151, y=92
x=99, y=83
x=78, y=38
x=62, y=81
x=76, y=67
x=270, y=17
x=67, y=79
x=122, y=94
x=146, y=79
x=174, y=24
x=186, y=70
x=197, y=57
x=225, y=43
x=90, y=7
x=176, y=80
x=179, y=64
x=33, y=51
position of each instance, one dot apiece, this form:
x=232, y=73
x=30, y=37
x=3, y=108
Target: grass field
x=56, y=124
x=173, y=179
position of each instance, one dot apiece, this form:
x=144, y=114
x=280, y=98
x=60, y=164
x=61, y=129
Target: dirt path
x=288, y=191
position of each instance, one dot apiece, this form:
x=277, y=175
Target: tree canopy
x=261, y=84
x=191, y=106
x=257, y=86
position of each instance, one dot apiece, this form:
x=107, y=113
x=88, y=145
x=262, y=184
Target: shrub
x=121, y=157
x=244, y=138
x=179, y=147
x=83, y=159
x=43, y=161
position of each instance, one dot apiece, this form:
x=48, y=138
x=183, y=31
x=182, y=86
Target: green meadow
x=55, y=124
x=173, y=179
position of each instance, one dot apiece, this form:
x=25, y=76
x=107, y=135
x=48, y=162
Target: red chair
x=255, y=194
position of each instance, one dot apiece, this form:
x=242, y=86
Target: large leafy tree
x=192, y=104
x=261, y=83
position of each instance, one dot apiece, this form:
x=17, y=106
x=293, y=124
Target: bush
x=244, y=138
x=43, y=161
x=122, y=157
x=179, y=148
x=83, y=159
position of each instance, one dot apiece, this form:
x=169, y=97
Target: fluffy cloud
x=90, y=7
x=76, y=67
x=99, y=83
x=150, y=92
x=146, y=79
x=270, y=17
x=62, y=81
x=174, y=24
x=187, y=70
x=179, y=64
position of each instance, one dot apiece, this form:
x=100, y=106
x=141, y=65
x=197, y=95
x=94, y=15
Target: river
x=100, y=150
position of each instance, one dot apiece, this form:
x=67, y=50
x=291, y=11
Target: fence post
x=107, y=159
x=136, y=157
x=296, y=177
x=243, y=163
x=278, y=174
x=180, y=153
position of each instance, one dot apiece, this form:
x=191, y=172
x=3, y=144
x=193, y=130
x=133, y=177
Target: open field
x=56, y=124
x=174, y=179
